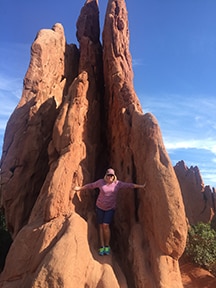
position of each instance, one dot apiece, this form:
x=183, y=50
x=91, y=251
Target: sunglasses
x=110, y=175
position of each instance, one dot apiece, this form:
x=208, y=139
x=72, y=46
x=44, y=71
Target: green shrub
x=201, y=246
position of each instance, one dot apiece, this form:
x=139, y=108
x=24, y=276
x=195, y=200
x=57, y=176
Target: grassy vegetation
x=201, y=246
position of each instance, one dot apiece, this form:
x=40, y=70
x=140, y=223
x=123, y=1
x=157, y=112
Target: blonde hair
x=114, y=178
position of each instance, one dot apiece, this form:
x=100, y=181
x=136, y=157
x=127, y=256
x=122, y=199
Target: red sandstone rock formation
x=195, y=277
x=77, y=115
x=199, y=201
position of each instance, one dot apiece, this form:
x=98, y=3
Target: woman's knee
x=105, y=226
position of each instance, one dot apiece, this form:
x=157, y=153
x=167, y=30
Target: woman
x=106, y=204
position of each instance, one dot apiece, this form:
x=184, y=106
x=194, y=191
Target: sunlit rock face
x=78, y=115
x=199, y=200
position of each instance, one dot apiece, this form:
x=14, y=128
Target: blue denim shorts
x=104, y=216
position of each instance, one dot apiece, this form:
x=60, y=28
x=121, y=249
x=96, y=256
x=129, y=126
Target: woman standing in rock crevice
x=106, y=204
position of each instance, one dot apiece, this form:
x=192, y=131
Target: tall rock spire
x=149, y=251
x=78, y=113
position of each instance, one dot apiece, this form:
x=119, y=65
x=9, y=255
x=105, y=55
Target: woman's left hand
x=143, y=186
x=140, y=186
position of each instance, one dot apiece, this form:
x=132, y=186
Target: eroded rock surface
x=199, y=200
x=78, y=115
x=196, y=277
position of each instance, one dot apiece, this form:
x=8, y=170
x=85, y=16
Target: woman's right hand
x=77, y=188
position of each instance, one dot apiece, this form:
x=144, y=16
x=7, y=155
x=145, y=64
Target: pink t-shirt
x=108, y=192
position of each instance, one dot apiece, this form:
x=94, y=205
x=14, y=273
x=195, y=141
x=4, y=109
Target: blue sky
x=173, y=47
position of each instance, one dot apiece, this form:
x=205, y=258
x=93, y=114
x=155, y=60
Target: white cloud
x=188, y=126
x=206, y=144
x=137, y=62
x=10, y=93
x=185, y=121
x=10, y=84
x=14, y=60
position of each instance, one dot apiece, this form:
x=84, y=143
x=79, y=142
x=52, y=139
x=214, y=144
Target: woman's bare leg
x=101, y=234
x=106, y=234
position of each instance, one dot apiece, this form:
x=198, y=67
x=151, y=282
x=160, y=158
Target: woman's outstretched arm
x=79, y=188
x=93, y=185
x=142, y=186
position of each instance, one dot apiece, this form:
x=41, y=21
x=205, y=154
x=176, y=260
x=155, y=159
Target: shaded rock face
x=199, y=200
x=78, y=115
